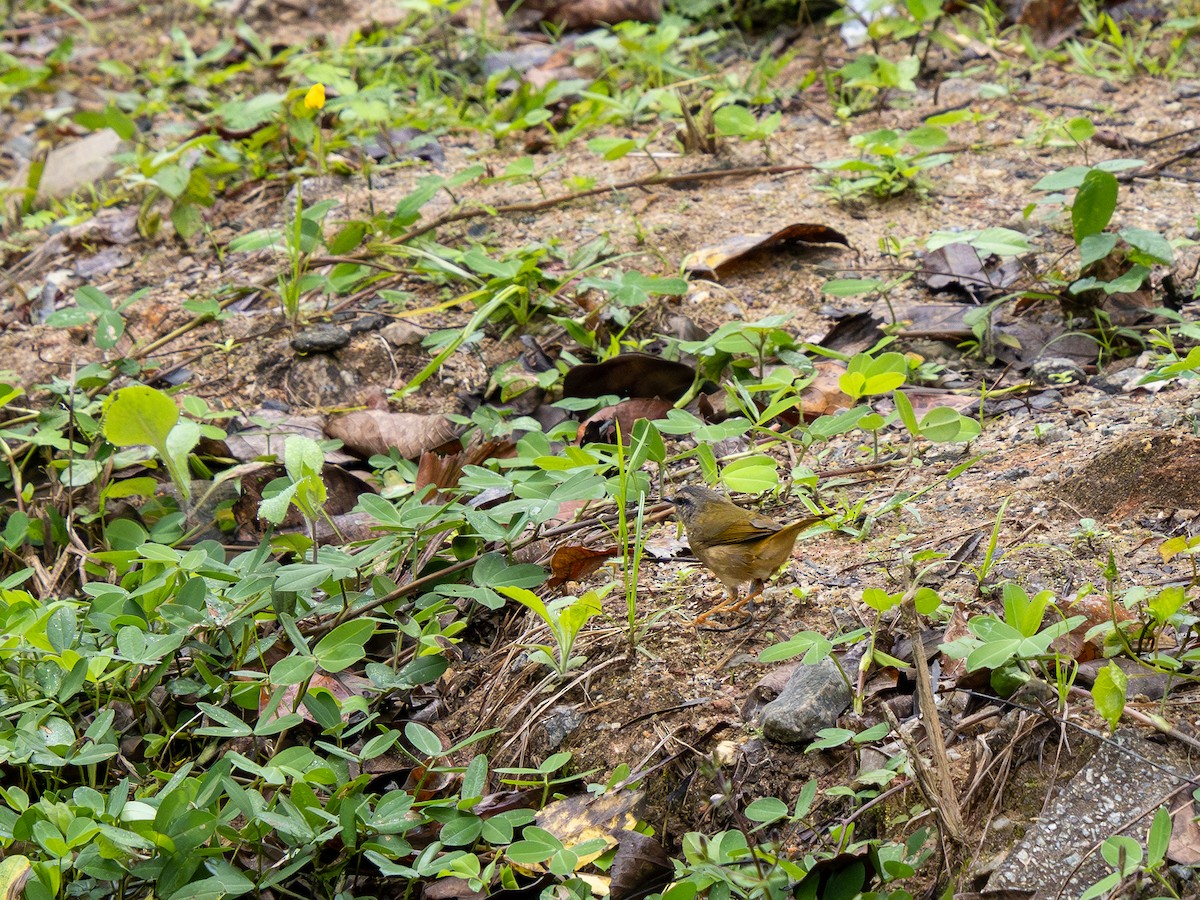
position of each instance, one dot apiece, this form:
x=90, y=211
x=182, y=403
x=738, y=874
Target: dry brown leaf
x=444, y=471
x=573, y=563
x=601, y=427
x=368, y=432
x=958, y=267
x=1184, y=848
x=266, y=431
x=1095, y=610
x=823, y=396
x=580, y=13
x=342, y=685
x=712, y=261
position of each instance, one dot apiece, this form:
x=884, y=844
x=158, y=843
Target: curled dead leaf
x=444, y=471
x=959, y=267
x=714, y=260
x=368, y=432
x=574, y=563
x=601, y=428
x=640, y=866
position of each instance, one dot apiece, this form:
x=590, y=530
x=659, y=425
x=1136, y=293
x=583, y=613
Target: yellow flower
x=315, y=98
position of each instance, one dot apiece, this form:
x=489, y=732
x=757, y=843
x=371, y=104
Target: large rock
x=1059, y=854
x=813, y=699
x=72, y=166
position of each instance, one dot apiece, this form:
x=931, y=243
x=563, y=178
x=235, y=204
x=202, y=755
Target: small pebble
x=321, y=339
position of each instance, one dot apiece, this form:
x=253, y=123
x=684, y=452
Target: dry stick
x=1158, y=723
x=1148, y=171
x=553, y=698
x=661, y=509
x=647, y=181
x=943, y=798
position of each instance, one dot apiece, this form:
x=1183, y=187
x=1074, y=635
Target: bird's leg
x=733, y=604
x=756, y=589
x=730, y=602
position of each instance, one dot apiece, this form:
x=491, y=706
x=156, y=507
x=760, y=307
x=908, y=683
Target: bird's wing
x=751, y=530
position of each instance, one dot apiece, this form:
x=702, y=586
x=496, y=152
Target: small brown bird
x=736, y=544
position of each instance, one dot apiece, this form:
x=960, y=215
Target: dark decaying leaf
x=640, y=867
x=573, y=563
x=630, y=375
x=368, y=432
x=958, y=267
x=579, y=13
x=536, y=358
x=444, y=471
x=716, y=259
x=601, y=428
x=342, y=487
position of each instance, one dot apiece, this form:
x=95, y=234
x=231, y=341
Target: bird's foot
x=733, y=604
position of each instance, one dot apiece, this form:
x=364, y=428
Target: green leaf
x=1023, y=613
x=1094, y=205
x=1151, y=243
x=907, y=415
x=274, y=508
x=110, y=325
x=424, y=740
x=943, y=425
x=813, y=645
x=293, y=670
x=137, y=415
x=1064, y=179
x=852, y=287
x=186, y=219
x=766, y=810
x=1109, y=692
x=1159, y=838
x=734, y=120
x=751, y=475
x=345, y=645
x=1080, y=129
x=348, y=238
x=172, y=179
x=880, y=600
x=1122, y=853
x=612, y=148
x=1095, y=247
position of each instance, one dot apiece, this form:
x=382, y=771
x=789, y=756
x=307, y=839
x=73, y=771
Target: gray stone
x=1109, y=791
x=402, y=334
x=1120, y=382
x=1057, y=370
x=321, y=339
x=368, y=322
x=812, y=699
x=560, y=724
x=77, y=164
